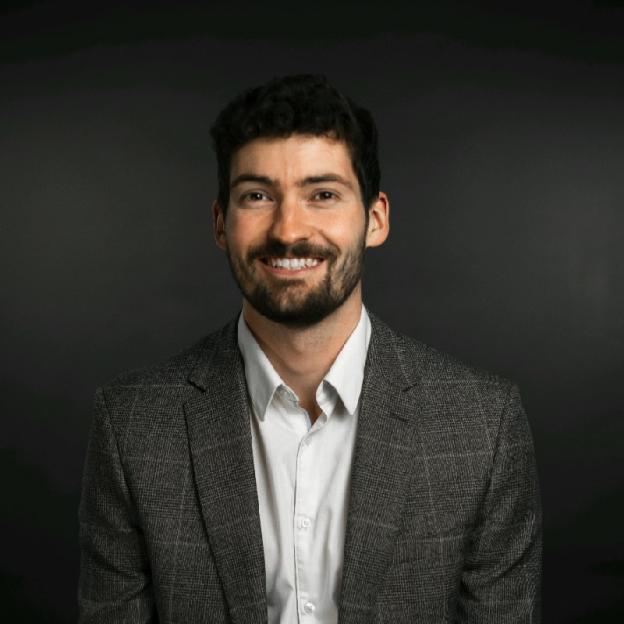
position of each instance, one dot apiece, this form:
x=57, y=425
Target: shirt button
x=305, y=523
x=309, y=607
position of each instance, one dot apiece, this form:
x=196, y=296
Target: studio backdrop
x=502, y=152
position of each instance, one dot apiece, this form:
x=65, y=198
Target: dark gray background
x=502, y=149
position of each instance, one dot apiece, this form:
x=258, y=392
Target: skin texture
x=299, y=197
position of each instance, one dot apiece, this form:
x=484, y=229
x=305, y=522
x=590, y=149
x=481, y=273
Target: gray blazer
x=444, y=520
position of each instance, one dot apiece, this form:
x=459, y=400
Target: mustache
x=301, y=249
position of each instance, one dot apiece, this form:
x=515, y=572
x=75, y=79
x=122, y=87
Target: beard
x=289, y=301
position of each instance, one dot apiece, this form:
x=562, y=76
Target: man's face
x=296, y=229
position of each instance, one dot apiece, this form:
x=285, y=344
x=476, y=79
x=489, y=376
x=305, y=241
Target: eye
x=324, y=196
x=254, y=196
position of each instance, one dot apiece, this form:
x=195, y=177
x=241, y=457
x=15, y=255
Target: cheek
x=241, y=233
x=346, y=233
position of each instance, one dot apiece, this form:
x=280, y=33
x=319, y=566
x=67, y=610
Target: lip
x=281, y=272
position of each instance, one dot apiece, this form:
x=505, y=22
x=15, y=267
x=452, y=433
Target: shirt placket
x=304, y=514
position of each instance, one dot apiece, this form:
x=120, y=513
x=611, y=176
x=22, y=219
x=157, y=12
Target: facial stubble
x=281, y=300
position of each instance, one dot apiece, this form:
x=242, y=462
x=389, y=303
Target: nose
x=290, y=222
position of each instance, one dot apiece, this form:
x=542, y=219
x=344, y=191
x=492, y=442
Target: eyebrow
x=325, y=177
x=310, y=180
x=251, y=177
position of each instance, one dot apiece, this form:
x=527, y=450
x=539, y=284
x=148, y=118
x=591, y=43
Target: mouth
x=291, y=266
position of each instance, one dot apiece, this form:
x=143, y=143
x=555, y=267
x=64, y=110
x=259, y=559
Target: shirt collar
x=345, y=375
x=347, y=372
x=262, y=378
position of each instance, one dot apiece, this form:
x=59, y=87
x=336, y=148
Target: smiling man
x=306, y=463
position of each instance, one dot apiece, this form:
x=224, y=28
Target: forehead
x=296, y=156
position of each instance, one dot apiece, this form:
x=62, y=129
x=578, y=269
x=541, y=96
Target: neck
x=302, y=357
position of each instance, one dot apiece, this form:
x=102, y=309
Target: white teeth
x=293, y=264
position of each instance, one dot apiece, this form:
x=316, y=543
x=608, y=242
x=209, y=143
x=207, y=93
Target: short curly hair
x=297, y=104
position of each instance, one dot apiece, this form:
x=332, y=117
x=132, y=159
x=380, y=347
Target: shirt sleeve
x=115, y=581
x=501, y=580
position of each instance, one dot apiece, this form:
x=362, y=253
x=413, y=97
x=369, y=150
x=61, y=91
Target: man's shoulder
x=446, y=389
x=151, y=398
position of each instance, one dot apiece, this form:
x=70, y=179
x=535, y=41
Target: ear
x=378, y=221
x=218, y=224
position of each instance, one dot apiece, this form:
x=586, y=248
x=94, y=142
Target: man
x=306, y=463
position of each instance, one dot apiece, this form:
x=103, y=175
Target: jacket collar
x=218, y=425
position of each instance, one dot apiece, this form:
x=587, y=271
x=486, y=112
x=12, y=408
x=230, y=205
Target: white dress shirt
x=302, y=476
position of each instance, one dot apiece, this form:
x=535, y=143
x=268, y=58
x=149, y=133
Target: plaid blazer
x=444, y=520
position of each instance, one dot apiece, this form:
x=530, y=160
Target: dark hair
x=300, y=104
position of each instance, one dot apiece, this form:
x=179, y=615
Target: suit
x=444, y=518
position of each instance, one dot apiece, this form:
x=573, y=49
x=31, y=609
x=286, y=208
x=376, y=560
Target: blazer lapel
x=218, y=420
x=381, y=466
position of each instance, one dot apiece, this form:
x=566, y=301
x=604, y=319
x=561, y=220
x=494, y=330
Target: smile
x=285, y=265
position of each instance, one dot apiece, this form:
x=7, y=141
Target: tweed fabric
x=443, y=523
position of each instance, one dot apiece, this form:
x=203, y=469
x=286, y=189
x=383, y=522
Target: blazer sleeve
x=115, y=583
x=501, y=580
